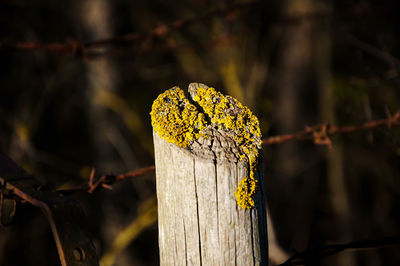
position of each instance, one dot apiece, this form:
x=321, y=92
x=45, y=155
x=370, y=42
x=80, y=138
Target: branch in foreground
x=320, y=134
x=313, y=256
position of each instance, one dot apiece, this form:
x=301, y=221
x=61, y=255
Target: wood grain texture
x=200, y=222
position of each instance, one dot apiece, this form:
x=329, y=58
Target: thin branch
x=315, y=255
x=106, y=181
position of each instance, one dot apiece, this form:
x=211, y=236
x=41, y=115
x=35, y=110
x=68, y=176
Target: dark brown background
x=294, y=62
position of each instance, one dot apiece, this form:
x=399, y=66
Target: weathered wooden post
x=211, y=203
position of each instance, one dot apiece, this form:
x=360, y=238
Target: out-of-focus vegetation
x=294, y=62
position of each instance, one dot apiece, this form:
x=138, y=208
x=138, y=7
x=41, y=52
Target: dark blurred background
x=294, y=63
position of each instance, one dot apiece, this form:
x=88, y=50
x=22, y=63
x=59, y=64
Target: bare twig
x=106, y=181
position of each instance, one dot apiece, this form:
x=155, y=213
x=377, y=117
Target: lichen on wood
x=208, y=123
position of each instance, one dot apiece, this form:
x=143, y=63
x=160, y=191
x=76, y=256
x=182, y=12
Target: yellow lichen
x=230, y=115
x=180, y=122
x=175, y=119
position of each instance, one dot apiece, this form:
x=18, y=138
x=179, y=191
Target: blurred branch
x=121, y=107
x=147, y=216
x=320, y=134
x=82, y=49
x=313, y=256
x=372, y=50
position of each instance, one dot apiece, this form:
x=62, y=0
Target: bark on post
x=211, y=203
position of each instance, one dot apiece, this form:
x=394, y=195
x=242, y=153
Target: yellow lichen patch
x=180, y=122
x=175, y=119
x=245, y=191
x=230, y=115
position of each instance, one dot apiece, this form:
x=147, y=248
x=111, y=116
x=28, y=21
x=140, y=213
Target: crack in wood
x=197, y=207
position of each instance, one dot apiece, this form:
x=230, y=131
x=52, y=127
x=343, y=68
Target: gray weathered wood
x=199, y=220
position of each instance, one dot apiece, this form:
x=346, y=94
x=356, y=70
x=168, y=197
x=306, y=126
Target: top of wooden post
x=211, y=125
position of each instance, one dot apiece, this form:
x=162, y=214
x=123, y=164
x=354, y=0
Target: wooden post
x=200, y=221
